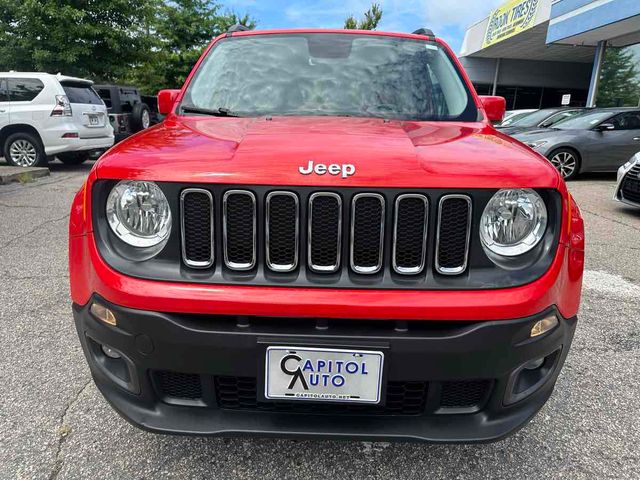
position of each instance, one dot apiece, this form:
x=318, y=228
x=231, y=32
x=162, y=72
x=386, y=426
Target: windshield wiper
x=216, y=112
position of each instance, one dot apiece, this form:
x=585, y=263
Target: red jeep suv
x=326, y=237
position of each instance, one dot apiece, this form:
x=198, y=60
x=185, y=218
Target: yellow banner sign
x=510, y=19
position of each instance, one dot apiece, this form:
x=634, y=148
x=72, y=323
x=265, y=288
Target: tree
x=180, y=30
x=98, y=39
x=619, y=80
x=370, y=21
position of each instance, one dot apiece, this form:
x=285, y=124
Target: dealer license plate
x=323, y=374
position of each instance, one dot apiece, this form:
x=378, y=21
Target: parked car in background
x=512, y=116
x=129, y=112
x=597, y=141
x=544, y=118
x=628, y=186
x=44, y=115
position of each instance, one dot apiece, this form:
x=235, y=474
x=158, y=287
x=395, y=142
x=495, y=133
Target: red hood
x=258, y=151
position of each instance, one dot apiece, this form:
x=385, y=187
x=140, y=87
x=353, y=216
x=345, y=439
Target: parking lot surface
x=55, y=424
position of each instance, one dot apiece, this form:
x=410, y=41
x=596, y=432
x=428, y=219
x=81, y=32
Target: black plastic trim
x=482, y=273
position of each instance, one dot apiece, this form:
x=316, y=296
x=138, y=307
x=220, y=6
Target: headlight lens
x=513, y=222
x=139, y=214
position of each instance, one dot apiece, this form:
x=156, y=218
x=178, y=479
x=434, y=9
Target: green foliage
x=370, y=21
x=179, y=31
x=98, y=39
x=620, y=79
x=152, y=44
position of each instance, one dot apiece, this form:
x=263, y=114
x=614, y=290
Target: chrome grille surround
x=367, y=270
x=418, y=268
x=463, y=266
x=281, y=267
x=238, y=266
x=324, y=268
x=188, y=261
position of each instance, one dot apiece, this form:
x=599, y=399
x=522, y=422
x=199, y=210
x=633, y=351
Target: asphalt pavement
x=55, y=425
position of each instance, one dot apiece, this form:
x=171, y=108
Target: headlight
x=139, y=214
x=537, y=144
x=513, y=222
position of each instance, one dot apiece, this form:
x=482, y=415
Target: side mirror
x=603, y=127
x=166, y=100
x=494, y=107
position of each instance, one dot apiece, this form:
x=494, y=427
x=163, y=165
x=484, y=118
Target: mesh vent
x=240, y=393
x=185, y=386
x=325, y=210
x=409, y=248
x=367, y=225
x=239, y=229
x=197, y=228
x=282, y=231
x=464, y=394
x=453, y=234
x=631, y=185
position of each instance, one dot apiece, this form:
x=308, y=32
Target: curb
x=21, y=174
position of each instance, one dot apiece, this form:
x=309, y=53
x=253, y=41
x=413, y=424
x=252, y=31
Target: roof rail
x=238, y=27
x=424, y=31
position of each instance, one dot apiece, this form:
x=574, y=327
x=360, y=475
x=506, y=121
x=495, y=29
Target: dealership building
x=545, y=53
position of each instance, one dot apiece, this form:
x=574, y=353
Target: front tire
x=566, y=161
x=73, y=158
x=24, y=150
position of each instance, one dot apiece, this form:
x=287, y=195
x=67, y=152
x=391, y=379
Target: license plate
x=323, y=374
x=94, y=120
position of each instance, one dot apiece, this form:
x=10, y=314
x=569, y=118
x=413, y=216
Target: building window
x=620, y=78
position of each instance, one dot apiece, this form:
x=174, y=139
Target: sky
x=447, y=18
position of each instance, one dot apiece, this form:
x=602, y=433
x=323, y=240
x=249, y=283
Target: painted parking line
x=610, y=284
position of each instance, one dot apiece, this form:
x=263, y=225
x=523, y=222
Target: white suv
x=44, y=116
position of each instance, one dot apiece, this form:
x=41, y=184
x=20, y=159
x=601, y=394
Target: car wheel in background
x=24, y=150
x=566, y=161
x=140, y=117
x=74, y=158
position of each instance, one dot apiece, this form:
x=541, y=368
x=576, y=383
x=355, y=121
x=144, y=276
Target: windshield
x=560, y=117
x=330, y=74
x=584, y=121
x=515, y=116
x=533, y=119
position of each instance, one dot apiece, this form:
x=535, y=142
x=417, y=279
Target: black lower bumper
x=443, y=381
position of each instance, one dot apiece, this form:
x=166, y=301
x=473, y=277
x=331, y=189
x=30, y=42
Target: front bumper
x=222, y=356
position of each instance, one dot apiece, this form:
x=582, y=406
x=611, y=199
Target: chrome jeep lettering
x=345, y=170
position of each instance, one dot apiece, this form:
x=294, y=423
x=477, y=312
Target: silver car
x=628, y=186
x=599, y=140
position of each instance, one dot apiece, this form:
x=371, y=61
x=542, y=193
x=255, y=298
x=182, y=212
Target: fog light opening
x=543, y=326
x=103, y=313
x=534, y=364
x=110, y=352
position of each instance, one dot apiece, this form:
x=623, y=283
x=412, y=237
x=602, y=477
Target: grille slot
x=465, y=394
x=367, y=232
x=452, y=243
x=631, y=185
x=239, y=229
x=183, y=386
x=282, y=231
x=325, y=232
x=240, y=393
x=410, y=233
x=197, y=227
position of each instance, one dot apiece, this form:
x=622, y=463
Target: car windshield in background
x=533, y=119
x=330, y=74
x=584, y=121
x=81, y=94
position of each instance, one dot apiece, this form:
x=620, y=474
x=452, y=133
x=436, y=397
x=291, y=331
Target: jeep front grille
x=369, y=248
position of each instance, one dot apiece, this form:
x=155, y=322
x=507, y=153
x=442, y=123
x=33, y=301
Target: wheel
x=140, y=117
x=24, y=150
x=566, y=162
x=74, y=158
